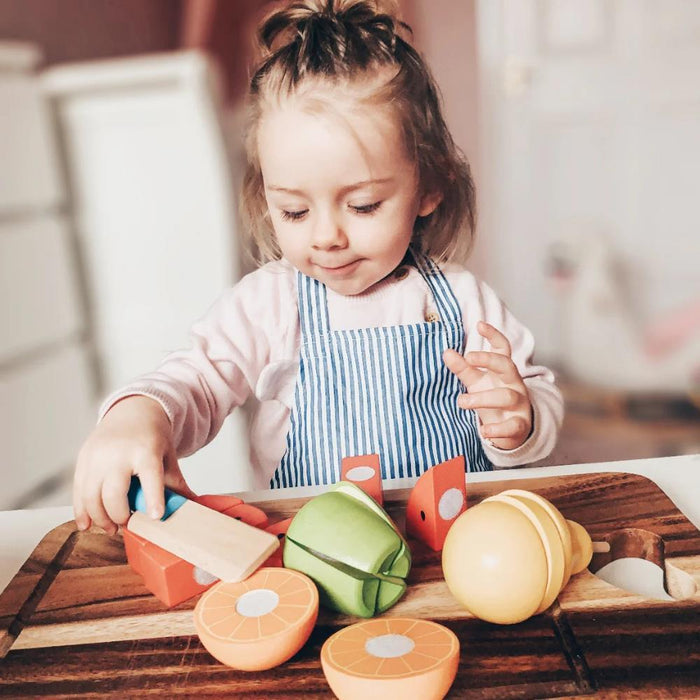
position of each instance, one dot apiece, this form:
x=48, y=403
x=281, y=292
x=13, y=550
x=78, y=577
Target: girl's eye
x=293, y=215
x=366, y=208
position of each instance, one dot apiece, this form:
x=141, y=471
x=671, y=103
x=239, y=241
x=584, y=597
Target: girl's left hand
x=495, y=390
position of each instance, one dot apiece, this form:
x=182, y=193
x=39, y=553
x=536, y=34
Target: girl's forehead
x=332, y=127
x=318, y=94
x=355, y=106
x=311, y=143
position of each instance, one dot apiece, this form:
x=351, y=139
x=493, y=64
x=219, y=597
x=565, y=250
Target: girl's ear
x=429, y=202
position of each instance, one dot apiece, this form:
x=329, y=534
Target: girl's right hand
x=133, y=438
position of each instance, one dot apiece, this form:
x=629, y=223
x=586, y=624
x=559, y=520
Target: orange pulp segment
x=260, y=622
x=391, y=657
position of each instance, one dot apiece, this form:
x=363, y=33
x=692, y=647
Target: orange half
x=258, y=623
x=393, y=657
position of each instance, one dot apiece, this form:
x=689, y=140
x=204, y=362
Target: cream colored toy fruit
x=491, y=562
x=553, y=548
x=495, y=564
x=582, y=546
x=558, y=520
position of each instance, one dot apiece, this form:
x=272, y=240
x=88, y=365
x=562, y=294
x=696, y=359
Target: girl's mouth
x=340, y=270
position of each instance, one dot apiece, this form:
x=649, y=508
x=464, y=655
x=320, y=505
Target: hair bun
x=297, y=20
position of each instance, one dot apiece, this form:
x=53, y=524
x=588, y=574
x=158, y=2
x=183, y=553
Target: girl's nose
x=328, y=233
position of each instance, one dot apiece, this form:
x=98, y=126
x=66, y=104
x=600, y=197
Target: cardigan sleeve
x=243, y=331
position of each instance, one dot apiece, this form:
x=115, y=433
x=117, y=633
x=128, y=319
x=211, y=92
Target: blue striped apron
x=382, y=391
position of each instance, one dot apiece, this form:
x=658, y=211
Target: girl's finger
x=115, y=491
x=499, y=343
x=504, y=398
x=515, y=427
x=95, y=507
x=82, y=519
x=494, y=362
x=151, y=476
x=458, y=365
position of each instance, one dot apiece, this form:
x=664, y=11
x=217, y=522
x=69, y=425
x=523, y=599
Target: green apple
x=345, y=541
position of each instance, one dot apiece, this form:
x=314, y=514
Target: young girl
x=360, y=335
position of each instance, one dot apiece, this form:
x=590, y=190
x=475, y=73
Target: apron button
x=432, y=317
x=401, y=273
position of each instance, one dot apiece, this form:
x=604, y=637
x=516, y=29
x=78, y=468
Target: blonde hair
x=343, y=41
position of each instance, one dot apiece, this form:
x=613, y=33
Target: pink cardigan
x=247, y=345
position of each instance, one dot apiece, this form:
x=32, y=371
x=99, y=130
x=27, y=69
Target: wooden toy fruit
x=169, y=577
x=436, y=499
x=391, y=658
x=508, y=557
x=258, y=623
x=569, y=531
x=558, y=520
x=553, y=548
x=351, y=548
x=364, y=471
x=279, y=529
x=494, y=563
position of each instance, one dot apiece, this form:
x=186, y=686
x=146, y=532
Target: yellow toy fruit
x=509, y=557
x=495, y=564
x=551, y=542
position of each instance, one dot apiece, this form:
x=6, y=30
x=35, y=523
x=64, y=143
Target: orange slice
x=393, y=657
x=258, y=623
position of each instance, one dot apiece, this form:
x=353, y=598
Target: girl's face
x=342, y=193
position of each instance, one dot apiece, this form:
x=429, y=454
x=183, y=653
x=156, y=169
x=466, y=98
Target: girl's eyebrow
x=344, y=190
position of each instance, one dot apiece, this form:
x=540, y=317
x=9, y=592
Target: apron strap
x=445, y=299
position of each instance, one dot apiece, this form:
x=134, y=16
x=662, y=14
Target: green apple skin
x=401, y=564
x=346, y=530
x=358, y=547
x=336, y=589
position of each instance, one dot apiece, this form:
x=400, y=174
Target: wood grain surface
x=76, y=620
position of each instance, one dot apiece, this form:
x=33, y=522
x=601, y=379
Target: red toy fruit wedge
x=435, y=501
x=366, y=472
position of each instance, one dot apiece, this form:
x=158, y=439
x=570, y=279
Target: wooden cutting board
x=77, y=620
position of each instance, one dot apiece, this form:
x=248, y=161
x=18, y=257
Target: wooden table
x=77, y=592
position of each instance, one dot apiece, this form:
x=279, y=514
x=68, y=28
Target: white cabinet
x=45, y=381
x=38, y=285
x=29, y=174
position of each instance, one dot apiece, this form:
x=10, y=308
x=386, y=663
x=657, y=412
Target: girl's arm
x=230, y=346
x=145, y=426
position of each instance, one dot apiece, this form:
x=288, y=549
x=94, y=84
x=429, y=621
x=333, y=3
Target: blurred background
x=120, y=158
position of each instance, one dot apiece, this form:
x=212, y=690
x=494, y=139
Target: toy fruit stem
x=582, y=547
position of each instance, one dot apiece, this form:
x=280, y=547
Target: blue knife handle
x=137, y=499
